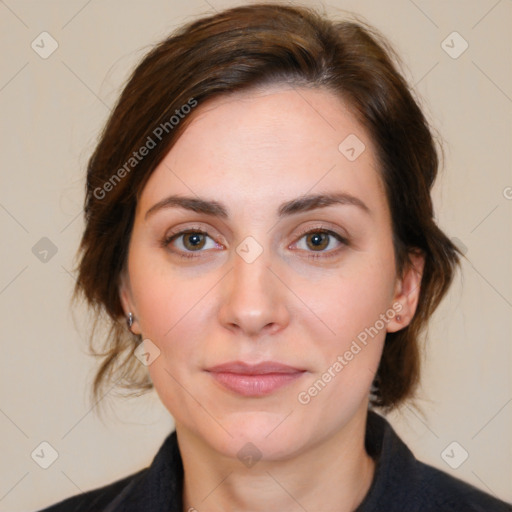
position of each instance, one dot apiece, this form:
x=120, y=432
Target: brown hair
x=244, y=47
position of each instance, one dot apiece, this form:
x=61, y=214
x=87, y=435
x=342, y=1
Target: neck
x=334, y=474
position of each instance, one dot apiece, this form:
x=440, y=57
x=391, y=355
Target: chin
x=257, y=434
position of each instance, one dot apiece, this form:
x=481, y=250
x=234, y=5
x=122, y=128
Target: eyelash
x=322, y=254
x=169, y=238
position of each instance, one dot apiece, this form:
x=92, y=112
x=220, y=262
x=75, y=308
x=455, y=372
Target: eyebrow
x=294, y=206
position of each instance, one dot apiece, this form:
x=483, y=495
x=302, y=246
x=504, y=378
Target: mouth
x=254, y=380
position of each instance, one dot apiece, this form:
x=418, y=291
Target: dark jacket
x=400, y=484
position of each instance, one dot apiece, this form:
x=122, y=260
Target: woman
x=260, y=233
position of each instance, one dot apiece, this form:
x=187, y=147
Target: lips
x=254, y=380
x=262, y=368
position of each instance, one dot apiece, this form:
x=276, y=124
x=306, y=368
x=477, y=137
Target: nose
x=254, y=298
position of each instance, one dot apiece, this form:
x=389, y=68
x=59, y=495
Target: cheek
x=356, y=299
x=165, y=297
x=353, y=309
x=356, y=309
x=174, y=311
x=173, y=318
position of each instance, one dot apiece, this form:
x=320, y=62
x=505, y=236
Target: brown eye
x=323, y=242
x=187, y=243
x=317, y=240
x=193, y=240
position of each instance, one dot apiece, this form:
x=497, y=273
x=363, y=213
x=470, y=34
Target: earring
x=129, y=320
x=398, y=318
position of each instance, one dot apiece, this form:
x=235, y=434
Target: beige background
x=52, y=110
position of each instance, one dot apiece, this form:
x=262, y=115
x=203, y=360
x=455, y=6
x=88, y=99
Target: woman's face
x=256, y=287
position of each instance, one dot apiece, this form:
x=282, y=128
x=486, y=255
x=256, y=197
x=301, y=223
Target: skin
x=253, y=151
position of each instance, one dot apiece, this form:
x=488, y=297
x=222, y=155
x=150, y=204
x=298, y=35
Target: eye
x=189, y=241
x=319, y=240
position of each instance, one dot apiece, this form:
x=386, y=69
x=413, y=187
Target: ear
x=407, y=292
x=127, y=302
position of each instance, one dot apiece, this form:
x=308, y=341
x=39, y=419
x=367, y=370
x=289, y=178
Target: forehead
x=276, y=142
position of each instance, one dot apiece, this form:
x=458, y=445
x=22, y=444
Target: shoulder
x=100, y=499
x=440, y=491
x=402, y=483
x=157, y=487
